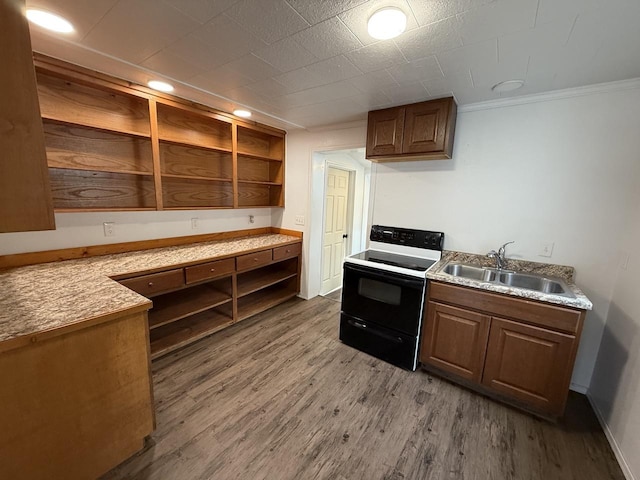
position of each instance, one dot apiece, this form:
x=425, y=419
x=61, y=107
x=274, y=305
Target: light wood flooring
x=279, y=397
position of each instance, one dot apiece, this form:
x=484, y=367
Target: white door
x=335, y=228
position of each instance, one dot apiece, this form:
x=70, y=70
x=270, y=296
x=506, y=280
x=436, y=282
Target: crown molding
x=608, y=87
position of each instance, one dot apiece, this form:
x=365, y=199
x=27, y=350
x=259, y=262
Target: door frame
x=349, y=220
x=316, y=211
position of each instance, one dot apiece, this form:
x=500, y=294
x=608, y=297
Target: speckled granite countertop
x=564, y=272
x=50, y=296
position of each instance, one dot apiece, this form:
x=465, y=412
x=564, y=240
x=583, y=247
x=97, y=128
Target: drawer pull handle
x=150, y=284
x=288, y=250
x=255, y=259
x=213, y=270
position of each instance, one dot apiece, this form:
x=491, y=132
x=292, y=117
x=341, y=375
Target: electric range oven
x=383, y=293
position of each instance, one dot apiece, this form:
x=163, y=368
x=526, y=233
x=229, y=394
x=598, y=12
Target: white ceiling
x=307, y=63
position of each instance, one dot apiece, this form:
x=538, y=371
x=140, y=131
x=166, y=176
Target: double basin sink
x=509, y=278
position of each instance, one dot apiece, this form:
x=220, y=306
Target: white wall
x=552, y=171
x=615, y=386
x=298, y=190
x=83, y=229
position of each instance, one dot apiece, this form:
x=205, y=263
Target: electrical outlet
x=252, y=219
x=109, y=229
x=299, y=219
x=195, y=223
x=546, y=249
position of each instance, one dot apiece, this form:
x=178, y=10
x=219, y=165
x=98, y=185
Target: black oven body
x=382, y=313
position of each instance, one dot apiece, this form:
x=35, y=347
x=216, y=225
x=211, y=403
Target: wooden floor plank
x=280, y=397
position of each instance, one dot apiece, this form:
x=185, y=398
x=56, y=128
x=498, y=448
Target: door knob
x=345, y=235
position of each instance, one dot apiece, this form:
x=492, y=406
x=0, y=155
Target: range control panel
x=407, y=236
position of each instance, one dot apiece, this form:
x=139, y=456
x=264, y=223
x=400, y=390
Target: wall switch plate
x=546, y=249
x=299, y=219
x=109, y=229
x=195, y=223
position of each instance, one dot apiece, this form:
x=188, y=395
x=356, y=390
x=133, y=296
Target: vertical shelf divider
x=234, y=160
x=155, y=152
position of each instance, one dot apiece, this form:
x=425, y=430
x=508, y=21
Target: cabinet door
x=384, y=132
x=427, y=127
x=530, y=364
x=25, y=194
x=455, y=340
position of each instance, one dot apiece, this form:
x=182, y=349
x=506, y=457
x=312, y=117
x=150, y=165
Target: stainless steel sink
x=528, y=281
x=470, y=271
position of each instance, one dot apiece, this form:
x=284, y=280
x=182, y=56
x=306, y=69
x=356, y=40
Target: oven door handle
x=386, y=277
x=373, y=331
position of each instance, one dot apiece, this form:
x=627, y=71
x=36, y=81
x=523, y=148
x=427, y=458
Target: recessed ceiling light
x=242, y=113
x=387, y=23
x=161, y=86
x=50, y=21
x=507, y=86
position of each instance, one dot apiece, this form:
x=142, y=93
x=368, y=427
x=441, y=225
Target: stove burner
x=402, y=261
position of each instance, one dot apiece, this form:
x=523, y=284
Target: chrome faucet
x=501, y=260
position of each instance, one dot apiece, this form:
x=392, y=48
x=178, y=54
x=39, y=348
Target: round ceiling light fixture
x=387, y=23
x=49, y=20
x=242, y=113
x=507, y=86
x=160, y=86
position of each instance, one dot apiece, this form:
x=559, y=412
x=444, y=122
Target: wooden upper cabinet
x=25, y=195
x=530, y=364
x=384, y=132
x=420, y=131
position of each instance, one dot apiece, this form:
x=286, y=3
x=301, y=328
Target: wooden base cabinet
x=513, y=349
x=529, y=363
x=76, y=405
x=456, y=340
x=198, y=300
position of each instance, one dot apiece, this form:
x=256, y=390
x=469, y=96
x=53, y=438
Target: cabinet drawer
x=530, y=311
x=197, y=273
x=287, y=251
x=155, y=283
x=246, y=262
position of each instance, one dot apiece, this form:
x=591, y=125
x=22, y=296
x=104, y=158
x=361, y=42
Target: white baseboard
x=579, y=388
x=612, y=441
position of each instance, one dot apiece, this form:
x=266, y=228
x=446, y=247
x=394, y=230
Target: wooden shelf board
x=106, y=170
x=179, y=334
x=195, y=145
x=195, y=177
x=261, y=301
x=259, y=182
x=175, y=306
x=259, y=157
x=257, y=280
x=132, y=133
x=198, y=208
x=89, y=209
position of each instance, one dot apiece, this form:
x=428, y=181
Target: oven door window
x=380, y=291
x=391, y=300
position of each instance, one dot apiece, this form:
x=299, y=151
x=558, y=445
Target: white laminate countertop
x=50, y=296
x=566, y=273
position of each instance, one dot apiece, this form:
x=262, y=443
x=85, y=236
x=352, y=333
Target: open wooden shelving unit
x=116, y=146
x=185, y=312
x=260, y=168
